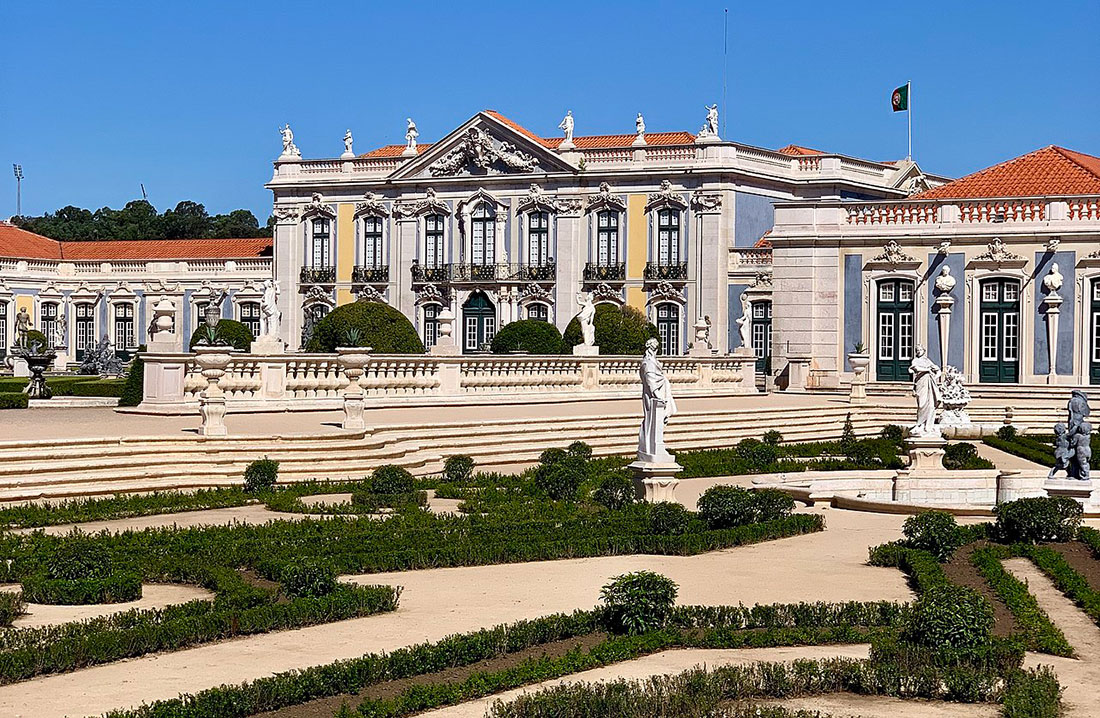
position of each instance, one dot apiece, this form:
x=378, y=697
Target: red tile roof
x=1051, y=170
x=18, y=243
x=394, y=150
x=798, y=150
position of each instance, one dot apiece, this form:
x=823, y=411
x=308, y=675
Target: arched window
x=49, y=320
x=1094, y=360
x=607, y=238
x=372, y=243
x=999, y=362
x=539, y=311
x=85, y=329
x=431, y=325
x=668, y=237
x=483, y=235
x=433, y=241
x=762, y=333
x=668, y=327
x=319, y=243
x=124, y=327
x=538, y=238
x=250, y=317
x=895, y=329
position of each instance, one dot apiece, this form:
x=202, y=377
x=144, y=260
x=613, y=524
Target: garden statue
x=927, y=390
x=22, y=326
x=411, y=133
x=955, y=397
x=60, y=337
x=1078, y=433
x=639, y=125
x=1082, y=452
x=348, y=152
x=289, y=148
x=101, y=360
x=307, y=329
x=1062, y=451
x=744, y=323
x=710, y=127
x=586, y=317
x=658, y=407
x=269, y=309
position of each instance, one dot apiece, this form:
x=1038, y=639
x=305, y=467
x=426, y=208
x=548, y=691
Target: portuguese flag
x=899, y=99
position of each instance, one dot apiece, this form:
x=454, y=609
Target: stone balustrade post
x=163, y=380
x=213, y=361
x=450, y=377
x=590, y=373
x=353, y=361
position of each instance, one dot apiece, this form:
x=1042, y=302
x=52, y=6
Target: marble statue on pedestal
x=1078, y=437
x=744, y=323
x=945, y=282
x=639, y=125
x=289, y=148
x=348, y=140
x=269, y=308
x=586, y=317
x=927, y=390
x=566, y=126
x=710, y=127
x=22, y=326
x=411, y=133
x=658, y=407
x=1054, y=279
x=60, y=338
x=954, y=397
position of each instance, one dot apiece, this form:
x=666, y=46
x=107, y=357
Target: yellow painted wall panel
x=636, y=236
x=24, y=302
x=344, y=296
x=635, y=297
x=345, y=241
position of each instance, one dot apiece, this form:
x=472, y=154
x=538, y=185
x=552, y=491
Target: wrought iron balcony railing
x=370, y=275
x=537, y=272
x=657, y=272
x=439, y=274
x=479, y=273
x=594, y=272
x=317, y=275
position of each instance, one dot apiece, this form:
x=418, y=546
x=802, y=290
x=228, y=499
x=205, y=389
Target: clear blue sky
x=186, y=97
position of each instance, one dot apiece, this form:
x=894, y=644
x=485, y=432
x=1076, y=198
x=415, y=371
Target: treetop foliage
x=140, y=220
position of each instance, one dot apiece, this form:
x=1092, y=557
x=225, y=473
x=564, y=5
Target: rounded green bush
x=228, y=332
x=669, y=519
x=79, y=557
x=723, y=507
x=580, y=450
x=773, y=437
x=533, y=336
x=1042, y=518
x=113, y=588
x=618, y=331
x=1007, y=432
x=391, y=479
x=36, y=337
x=308, y=578
x=772, y=504
x=561, y=479
x=615, y=490
x=553, y=455
x=639, y=602
x=950, y=616
x=458, y=468
x=936, y=532
x=261, y=475
x=373, y=324
x=892, y=432
x=756, y=452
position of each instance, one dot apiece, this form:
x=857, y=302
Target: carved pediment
x=604, y=199
x=431, y=204
x=666, y=197
x=998, y=256
x=479, y=153
x=665, y=292
x=537, y=199
x=606, y=293
x=317, y=295
x=894, y=257
x=318, y=208
x=371, y=206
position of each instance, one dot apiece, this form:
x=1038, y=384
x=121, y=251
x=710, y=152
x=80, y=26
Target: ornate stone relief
x=1052, y=244
x=537, y=198
x=415, y=208
x=604, y=198
x=317, y=295
x=535, y=292
x=998, y=254
x=706, y=202
x=665, y=197
x=569, y=206
x=894, y=255
x=371, y=205
x=317, y=206
x=430, y=294
x=369, y=293
x=763, y=281
x=606, y=293
x=1094, y=255
x=665, y=292
x=476, y=149
x=160, y=286
x=944, y=248
x=286, y=214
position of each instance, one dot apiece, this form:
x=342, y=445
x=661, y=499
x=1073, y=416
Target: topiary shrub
x=133, y=391
x=561, y=479
x=669, y=519
x=553, y=455
x=458, y=468
x=639, y=602
x=36, y=337
x=936, y=532
x=1037, y=519
x=723, y=507
x=229, y=332
x=756, y=452
x=772, y=504
x=308, y=578
x=964, y=456
x=373, y=324
x=772, y=437
x=11, y=400
x=892, y=432
x=615, y=490
x=949, y=616
x=391, y=479
x=533, y=336
x=79, y=557
x=580, y=450
x=1007, y=432
x=81, y=571
x=261, y=475
x=618, y=331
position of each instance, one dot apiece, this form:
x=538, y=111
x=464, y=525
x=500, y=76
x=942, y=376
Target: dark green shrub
x=390, y=479
x=892, y=432
x=964, y=456
x=848, y=434
x=261, y=475
x=36, y=337
x=379, y=326
x=133, y=391
x=79, y=557
x=580, y=450
x=115, y=588
x=1037, y=519
x=12, y=606
x=618, y=331
x=1007, y=432
x=772, y=504
x=228, y=332
x=950, y=616
x=553, y=456
x=639, y=602
x=13, y=401
x=936, y=532
x=458, y=468
x=669, y=519
x=773, y=437
x=100, y=387
x=1034, y=693
x=533, y=336
x=615, y=490
x=757, y=452
x=723, y=507
x=309, y=578
x=561, y=479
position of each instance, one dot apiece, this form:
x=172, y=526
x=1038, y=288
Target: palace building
x=77, y=293
x=496, y=224
x=996, y=273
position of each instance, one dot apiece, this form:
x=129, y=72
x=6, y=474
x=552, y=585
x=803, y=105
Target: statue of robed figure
x=658, y=407
x=926, y=387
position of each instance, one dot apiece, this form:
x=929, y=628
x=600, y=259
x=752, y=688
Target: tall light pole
x=18, y=189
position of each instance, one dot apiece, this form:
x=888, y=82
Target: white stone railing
x=289, y=382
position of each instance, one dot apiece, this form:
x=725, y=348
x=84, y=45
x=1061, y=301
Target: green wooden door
x=999, y=322
x=480, y=323
x=762, y=335
x=1094, y=346
x=894, y=324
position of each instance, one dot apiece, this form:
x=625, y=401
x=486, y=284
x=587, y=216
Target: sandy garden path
x=827, y=566
x=153, y=595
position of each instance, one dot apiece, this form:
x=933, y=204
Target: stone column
x=710, y=253
x=287, y=266
x=570, y=255
x=213, y=361
x=1053, y=306
x=944, y=304
x=403, y=252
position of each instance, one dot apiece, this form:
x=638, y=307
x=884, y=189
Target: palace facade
x=996, y=273
x=496, y=224
x=78, y=293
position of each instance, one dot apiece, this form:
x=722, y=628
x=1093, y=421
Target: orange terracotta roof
x=394, y=150
x=1051, y=170
x=798, y=150
x=16, y=243
x=523, y=130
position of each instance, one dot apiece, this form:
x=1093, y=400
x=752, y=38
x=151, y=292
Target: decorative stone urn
x=37, y=363
x=353, y=361
x=213, y=361
x=859, y=361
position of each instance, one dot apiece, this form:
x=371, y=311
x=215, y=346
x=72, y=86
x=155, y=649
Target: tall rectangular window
x=668, y=237
x=989, y=336
x=483, y=238
x=319, y=243
x=431, y=325
x=250, y=317
x=49, y=321
x=433, y=241
x=124, y=327
x=607, y=238
x=3, y=325
x=1012, y=336
x=372, y=243
x=885, y=336
x=538, y=239
x=85, y=328
x=668, y=328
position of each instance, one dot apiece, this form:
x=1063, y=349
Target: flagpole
x=909, y=115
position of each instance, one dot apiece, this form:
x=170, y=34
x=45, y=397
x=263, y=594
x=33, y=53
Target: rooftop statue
x=566, y=126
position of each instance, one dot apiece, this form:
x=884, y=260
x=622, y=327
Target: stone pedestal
x=859, y=363
x=353, y=360
x=655, y=481
x=19, y=367
x=1082, y=492
x=213, y=362
x=798, y=371
x=268, y=345
x=926, y=455
x=582, y=350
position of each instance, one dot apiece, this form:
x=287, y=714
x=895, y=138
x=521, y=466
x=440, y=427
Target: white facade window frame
x=465, y=214
x=1088, y=281
x=871, y=282
x=975, y=280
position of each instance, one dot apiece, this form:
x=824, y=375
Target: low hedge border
x=364, y=500
x=1068, y=580
x=13, y=401
x=117, y=588
x=1024, y=447
x=12, y=606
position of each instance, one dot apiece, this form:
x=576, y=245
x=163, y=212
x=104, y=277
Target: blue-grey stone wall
x=1064, y=362
x=754, y=215
x=853, y=304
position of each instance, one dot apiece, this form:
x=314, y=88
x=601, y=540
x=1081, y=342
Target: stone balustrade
x=292, y=382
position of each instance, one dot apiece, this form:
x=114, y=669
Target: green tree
x=238, y=223
x=188, y=220
x=618, y=331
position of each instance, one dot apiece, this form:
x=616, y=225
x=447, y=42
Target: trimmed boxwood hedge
x=228, y=331
x=533, y=336
x=13, y=401
x=115, y=588
x=379, y=326
x=618, y=330
x=133, y=389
